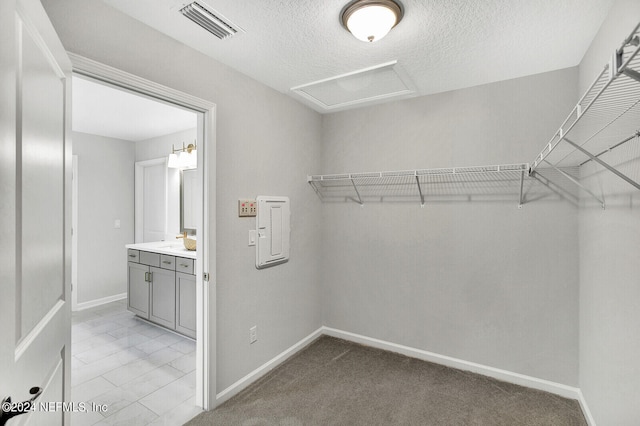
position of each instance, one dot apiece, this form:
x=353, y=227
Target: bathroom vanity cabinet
x=162, y=289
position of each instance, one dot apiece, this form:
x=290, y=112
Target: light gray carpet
x=334, y=382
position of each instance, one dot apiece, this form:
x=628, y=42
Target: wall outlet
x=247, y=208
x=253, y=334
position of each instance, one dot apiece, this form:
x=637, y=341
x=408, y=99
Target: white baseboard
x=97, y=302
x=585, y=409
x=504, y=375
x=265, y=368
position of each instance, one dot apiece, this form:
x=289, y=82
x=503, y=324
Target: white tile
x=111, y=348
x=169, y=338
x=132, y=415
x=102, y=326
x=128, y=321
x=86, y=419
x=75, y=363
x=185, y=346
x=90, y=343
x=151, y=346
x=179, y=415
x=130, y=371
x=79, y=334
x=90, y=389
x=148, y=330
x=120, y=332
x=152, y=381
x=115, y=400
x=186, y=363
x=98, y=368
x=164, y=356
x=170, y=396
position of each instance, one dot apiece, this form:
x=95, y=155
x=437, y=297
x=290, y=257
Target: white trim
x=74, y=236
x=205, y=362
x=266, y=367
x=111, y=75
x=24, y=344
x=504, y=375
x=97, y=302
x=585, y=409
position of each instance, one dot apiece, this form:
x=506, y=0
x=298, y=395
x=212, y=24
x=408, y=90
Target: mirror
x=188, y=200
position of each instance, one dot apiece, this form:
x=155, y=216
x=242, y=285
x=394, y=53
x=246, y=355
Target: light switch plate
x=252, y=237
x=247, y=208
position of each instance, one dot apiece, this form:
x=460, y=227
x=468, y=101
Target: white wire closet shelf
x=605, y=118
x=509, y=182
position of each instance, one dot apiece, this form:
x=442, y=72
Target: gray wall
x=105, y=193
x=160, y=146
x=266, y=145
x=480, y=281
x=609, y=267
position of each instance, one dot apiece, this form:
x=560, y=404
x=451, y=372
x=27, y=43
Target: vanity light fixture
x=371, y=20
x=186, y=157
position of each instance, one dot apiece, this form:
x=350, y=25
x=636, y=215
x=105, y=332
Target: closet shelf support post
x=553, y=187
x=420, y=191
x=359, y=200
x=632, y=74
x=603, y=164
x=576, y=182
x=521, y=190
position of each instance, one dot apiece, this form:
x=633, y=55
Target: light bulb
x=371, y=23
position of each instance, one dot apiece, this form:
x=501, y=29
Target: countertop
x=164, y=247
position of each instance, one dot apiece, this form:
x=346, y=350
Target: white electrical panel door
x=272, y=221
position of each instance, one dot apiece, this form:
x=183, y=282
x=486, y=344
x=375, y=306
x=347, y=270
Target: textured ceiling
x=441, y=44
x=105, y=111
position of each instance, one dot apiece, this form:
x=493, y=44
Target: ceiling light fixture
x=371, y=20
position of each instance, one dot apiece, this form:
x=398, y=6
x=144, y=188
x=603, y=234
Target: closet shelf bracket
x=576, y=182
x=603, y=164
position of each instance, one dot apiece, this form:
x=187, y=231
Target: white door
x=151, y=200
x=35, y=182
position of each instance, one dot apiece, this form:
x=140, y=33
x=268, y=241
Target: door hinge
x=205, y=276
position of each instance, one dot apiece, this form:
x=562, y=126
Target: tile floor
x=145, y=375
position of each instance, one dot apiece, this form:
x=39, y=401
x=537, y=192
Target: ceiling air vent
x=210, y=20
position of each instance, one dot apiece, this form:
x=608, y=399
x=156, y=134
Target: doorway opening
x=153, y=152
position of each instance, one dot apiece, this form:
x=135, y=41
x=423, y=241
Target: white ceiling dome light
x=371, y=20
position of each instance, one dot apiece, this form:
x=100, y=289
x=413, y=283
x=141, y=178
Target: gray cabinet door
x=186, y=304
x=163, y=297
x=138, y=300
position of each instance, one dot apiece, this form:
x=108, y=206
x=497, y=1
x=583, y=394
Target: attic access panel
x=365, y=86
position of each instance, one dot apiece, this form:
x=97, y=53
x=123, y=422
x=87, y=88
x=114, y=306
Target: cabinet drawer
x=151, y=259
x=133, y=255
x=184, y=265
x=168, y=262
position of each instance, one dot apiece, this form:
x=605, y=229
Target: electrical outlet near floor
x=247, y=208
x=253, y=334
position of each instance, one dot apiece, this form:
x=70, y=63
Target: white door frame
x=74, y=233
x=139, y=198
x=206, y=253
